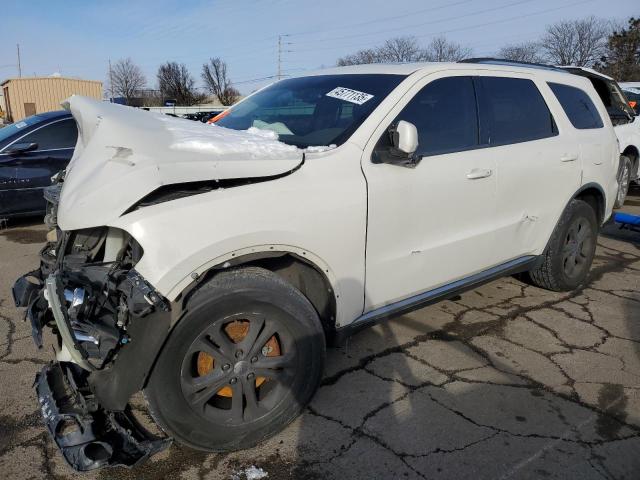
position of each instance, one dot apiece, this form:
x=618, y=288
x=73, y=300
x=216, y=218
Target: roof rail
x=515, y=63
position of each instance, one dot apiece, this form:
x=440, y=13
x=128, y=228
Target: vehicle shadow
x=413, y=397
x=614, y=398
x=23, y=230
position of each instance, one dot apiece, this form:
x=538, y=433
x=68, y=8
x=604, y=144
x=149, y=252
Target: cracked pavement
x=507, y=381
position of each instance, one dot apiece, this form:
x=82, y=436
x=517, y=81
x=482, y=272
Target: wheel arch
x=631, y=151
x=299, y=267
x=593, y=194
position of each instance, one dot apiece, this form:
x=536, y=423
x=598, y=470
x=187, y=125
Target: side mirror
x=18, y=148
x=404, y=138
x=398, y=146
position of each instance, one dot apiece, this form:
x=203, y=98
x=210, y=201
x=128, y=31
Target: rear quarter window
x=575, y=102
x=514, y=111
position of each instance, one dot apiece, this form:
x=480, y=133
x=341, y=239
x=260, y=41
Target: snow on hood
x=124, y=153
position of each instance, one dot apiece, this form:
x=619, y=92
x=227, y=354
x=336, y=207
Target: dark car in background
x=202, y=116
x=31, y=152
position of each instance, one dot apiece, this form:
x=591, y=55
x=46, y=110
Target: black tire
x=249, y=411
x=567, y=259
x=624, y=179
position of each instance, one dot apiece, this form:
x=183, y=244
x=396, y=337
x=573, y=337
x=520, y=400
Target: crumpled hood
x=125, y=153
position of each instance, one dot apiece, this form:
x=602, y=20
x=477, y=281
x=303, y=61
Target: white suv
x=210, y=264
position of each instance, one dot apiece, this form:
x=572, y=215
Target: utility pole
x=280, y=52
x=19, y=65
x=279, y=57
x=110, y=81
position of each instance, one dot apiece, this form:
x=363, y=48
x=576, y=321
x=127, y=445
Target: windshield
x=20, y=126
x=312, y=111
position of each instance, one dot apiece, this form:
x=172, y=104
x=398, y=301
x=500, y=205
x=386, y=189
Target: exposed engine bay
x=109, y=323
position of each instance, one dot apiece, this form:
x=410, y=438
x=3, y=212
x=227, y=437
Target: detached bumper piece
x=88, y=436
x=27, y=293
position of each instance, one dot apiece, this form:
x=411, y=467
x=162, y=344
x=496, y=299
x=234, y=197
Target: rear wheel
x=624, y=179
x=241, y=364
x=566, y=262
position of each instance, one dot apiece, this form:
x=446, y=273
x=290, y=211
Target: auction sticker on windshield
x=348, y=95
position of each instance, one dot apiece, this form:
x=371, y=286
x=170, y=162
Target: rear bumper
x=88, y=436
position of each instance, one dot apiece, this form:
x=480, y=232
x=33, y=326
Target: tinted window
x=18, y=127
x=577, y=105
x=62, y=134
x=514, y=111
x=315, y=110
x=445, y=114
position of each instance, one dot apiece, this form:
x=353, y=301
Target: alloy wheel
x=577, y=247
x=623, y=184
x=238, y=369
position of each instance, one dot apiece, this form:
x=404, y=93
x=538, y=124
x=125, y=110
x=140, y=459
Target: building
x=30, y=95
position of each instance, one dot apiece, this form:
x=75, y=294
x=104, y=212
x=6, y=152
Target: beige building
x=30, y=95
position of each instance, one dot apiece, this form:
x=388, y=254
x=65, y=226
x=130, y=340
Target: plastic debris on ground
x=250, y=473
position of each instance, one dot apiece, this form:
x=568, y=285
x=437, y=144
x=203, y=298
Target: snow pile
x=263, y=133
x=190, y=136
x=250, y=473
x=320, y=148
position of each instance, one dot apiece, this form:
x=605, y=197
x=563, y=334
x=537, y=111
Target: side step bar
x=435, y=295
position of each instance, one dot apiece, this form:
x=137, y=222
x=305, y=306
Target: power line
x=385, y=19
x=442, y=32
x=421, y=24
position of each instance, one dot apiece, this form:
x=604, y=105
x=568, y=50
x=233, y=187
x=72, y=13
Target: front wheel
x=624, y=179
x=567, y=259
x=242, y=363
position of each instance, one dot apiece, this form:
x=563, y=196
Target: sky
x=78, y=37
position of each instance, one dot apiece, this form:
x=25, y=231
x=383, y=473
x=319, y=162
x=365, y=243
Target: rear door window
x=513, y=111
x=578, y=106
x=60, y=134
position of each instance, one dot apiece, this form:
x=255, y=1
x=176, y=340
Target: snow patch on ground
x=250, y=473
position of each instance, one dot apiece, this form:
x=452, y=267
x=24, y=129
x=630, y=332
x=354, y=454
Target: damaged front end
x=109, y=324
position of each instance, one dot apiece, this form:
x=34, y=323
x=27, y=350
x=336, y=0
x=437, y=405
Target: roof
x=53, y=114
x=588, y=71
x=409, y=68
x=22, y=79
x=372, y=68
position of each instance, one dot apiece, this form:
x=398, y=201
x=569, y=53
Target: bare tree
x=215, y=77
x=400, y=49
x=442, y=50
x=126, y=79
x=175, y=82
x=361, y=57
x=522, y=52
x=576, y=42
x=407, y=49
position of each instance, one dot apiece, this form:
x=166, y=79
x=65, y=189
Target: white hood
x=125, y=153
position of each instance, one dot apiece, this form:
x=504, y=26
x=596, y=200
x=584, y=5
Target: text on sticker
x=348, y=95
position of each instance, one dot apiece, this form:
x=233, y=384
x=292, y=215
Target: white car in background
x=625, y=124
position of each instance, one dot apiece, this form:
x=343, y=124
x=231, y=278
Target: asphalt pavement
x=508, y=381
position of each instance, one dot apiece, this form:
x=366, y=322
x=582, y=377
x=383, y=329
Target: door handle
x=568, y=158
x=477, y=173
